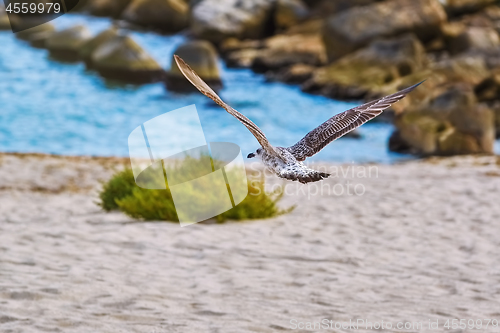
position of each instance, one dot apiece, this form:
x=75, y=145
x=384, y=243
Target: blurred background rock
x=202, y=57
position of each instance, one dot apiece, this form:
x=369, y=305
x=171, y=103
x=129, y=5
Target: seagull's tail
x=309, y=177
x=314, y=177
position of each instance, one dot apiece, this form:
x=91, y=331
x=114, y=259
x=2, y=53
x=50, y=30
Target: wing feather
x=205, y=89
x=343, y=123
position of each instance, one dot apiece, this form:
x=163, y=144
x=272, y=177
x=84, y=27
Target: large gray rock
x=325, y=8
x=488, y=17
x=165, y=15
x=464, y=69
x=295, y=74
x=243, y=58
x=358, y=26
x=444, y=116
x=475, y=35
x=300, y=44
x=473, y=38
x=285, y=50
x=202, y=57
x=91, y=45
x=449, y=122
x=456, y=7
x=367, y=70
x=39, y=39
x=489, y=89
x=121, y=58
x=66, y=44
x=496, y=111
x=216, y=20
x=112, y=8
x=29, y=33
x=289, y=12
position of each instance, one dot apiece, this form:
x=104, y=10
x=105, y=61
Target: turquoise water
x=52, y=107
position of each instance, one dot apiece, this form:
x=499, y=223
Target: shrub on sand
x=118, y=187
x=122, y=193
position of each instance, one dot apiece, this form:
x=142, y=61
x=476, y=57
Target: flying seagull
x=287, y=162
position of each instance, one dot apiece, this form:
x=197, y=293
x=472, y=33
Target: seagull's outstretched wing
x=343, y=123
x=206, y=90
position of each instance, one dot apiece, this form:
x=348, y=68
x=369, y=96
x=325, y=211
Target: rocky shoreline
x=347, y=50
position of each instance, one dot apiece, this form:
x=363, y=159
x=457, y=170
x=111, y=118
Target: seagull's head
x=258, y=152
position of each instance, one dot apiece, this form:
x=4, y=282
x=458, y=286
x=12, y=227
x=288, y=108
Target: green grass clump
x=120, y=186
x=122, y=193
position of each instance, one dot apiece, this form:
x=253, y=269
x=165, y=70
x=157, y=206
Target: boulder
x=31, y=32
x=120, y=58
x=449, y=122
x=489, y=89
x=66, y=44
x=39, y=39
x=82, y=6
x=463, y=69
x=308, y=27
x=416, y=134
x=397, y=144
x=91, y=45
x=325, y=8
x=295, y=74
x=450, y=32
x=301, y=44
x=496, y=112
x=453, y=142
x=486, y=18
x=37, y=35
x=355, y=28
x=111, y=8
x=477, y=32
x=490, y=56
x=367, y=70
x=202, y=57
x=288, y=13
x=473, y=38
x=457, y=7
x=281, y=51
x=471, y=70
x=165, y=15
x=243, y=58
x=216, y=20
x=232, y=44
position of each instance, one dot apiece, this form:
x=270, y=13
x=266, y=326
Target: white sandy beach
x=422, y=243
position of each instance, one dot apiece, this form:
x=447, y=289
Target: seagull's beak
x=251, y=155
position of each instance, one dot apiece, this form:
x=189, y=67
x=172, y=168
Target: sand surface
x=422, y=242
